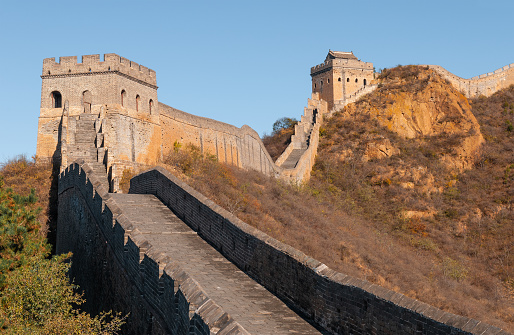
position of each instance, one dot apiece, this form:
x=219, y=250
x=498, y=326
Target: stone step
x=292, y=159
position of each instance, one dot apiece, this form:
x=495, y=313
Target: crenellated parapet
x=340, y=76
x=91, y=64
x=485, y=84
x=347, y=63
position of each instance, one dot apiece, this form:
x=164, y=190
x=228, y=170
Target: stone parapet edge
x=433, y=316
x=91, y=188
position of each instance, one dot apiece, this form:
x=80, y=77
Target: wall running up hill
x=117, y=268
x=112, y=264
x=335, y=302
x=241, y=147
x=485, y=84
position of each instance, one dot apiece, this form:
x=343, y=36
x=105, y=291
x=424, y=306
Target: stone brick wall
x=90, y=86
x=241, y=147
x=336, y=302
x=485, y=84
x=118, y=269
x=337, y=79
x=92, y=64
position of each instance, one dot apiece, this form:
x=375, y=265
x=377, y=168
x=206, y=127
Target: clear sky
x=240, y=62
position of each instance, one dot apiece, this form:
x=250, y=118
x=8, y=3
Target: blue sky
x=240, y=62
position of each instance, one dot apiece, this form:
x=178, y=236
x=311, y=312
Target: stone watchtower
x=340, y=77
x=114, y=94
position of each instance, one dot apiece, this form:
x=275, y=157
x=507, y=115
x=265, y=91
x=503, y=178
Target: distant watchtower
x=339, y=77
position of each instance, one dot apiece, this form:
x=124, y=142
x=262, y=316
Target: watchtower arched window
x=56, y=99
x=86, y=101
x=123, y=97
x=364, y=82
x=138, y=99
x=347, y=80
x=150, y=106
x=356, y=80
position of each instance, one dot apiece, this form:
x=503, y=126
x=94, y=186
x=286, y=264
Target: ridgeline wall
x=338, y=303
x=118, y=270
x=485, y=84
x=241, y=147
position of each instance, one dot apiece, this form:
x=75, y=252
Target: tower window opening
x=150, y=105
x=347, y=80
x=56, y=99
x=137, y=102
x=338, y=79
x=356, y=80
x=314, y=85
x=328, y=81
x=123, y=97
x=364, y=82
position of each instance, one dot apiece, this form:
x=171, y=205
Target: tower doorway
x=86, y=101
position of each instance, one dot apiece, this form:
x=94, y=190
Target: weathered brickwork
x=238, y=146
x=340, y=76
x=135, y=129
x=485, y=84
x=121, y=93
x=338, y=303
x=117, y=269
x=105, y=115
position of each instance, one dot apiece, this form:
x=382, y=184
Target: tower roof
x=340, y=54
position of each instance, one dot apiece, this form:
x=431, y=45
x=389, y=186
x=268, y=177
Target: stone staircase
x=303, y=136
x=86, y=145
x=293, y=158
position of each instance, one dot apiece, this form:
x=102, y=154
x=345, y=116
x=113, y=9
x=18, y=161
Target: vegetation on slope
x=439, y=189
x=36, y=296
x=280, y=137
x=396, y=205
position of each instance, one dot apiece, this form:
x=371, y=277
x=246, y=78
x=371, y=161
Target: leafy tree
x=36, y=296
x=19, y=230
x=284, y=123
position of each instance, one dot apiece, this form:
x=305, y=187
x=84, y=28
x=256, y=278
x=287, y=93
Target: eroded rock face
x=378, y=149
x=429, y=109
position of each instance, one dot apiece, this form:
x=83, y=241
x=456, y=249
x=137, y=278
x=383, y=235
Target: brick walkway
x=249, y=304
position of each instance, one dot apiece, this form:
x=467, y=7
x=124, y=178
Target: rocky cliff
x=415, y=102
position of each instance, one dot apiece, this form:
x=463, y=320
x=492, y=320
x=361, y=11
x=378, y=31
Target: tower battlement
x=343, y=63
x=69, y=66
x=340, y=77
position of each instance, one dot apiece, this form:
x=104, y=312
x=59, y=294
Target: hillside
x=411, y=190
x=412, y=159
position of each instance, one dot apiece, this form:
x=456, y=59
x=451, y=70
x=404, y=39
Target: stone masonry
x=182, y=265
x=178, y=263
x=339, y=77
x=485, y=84
x=133, y=129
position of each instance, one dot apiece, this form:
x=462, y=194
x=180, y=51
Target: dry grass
x=277, y=142
x=351, y=215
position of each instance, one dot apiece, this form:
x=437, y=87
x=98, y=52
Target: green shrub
x=453, y=269
x=36, y=296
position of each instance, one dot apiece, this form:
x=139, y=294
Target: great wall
x=176, y=261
